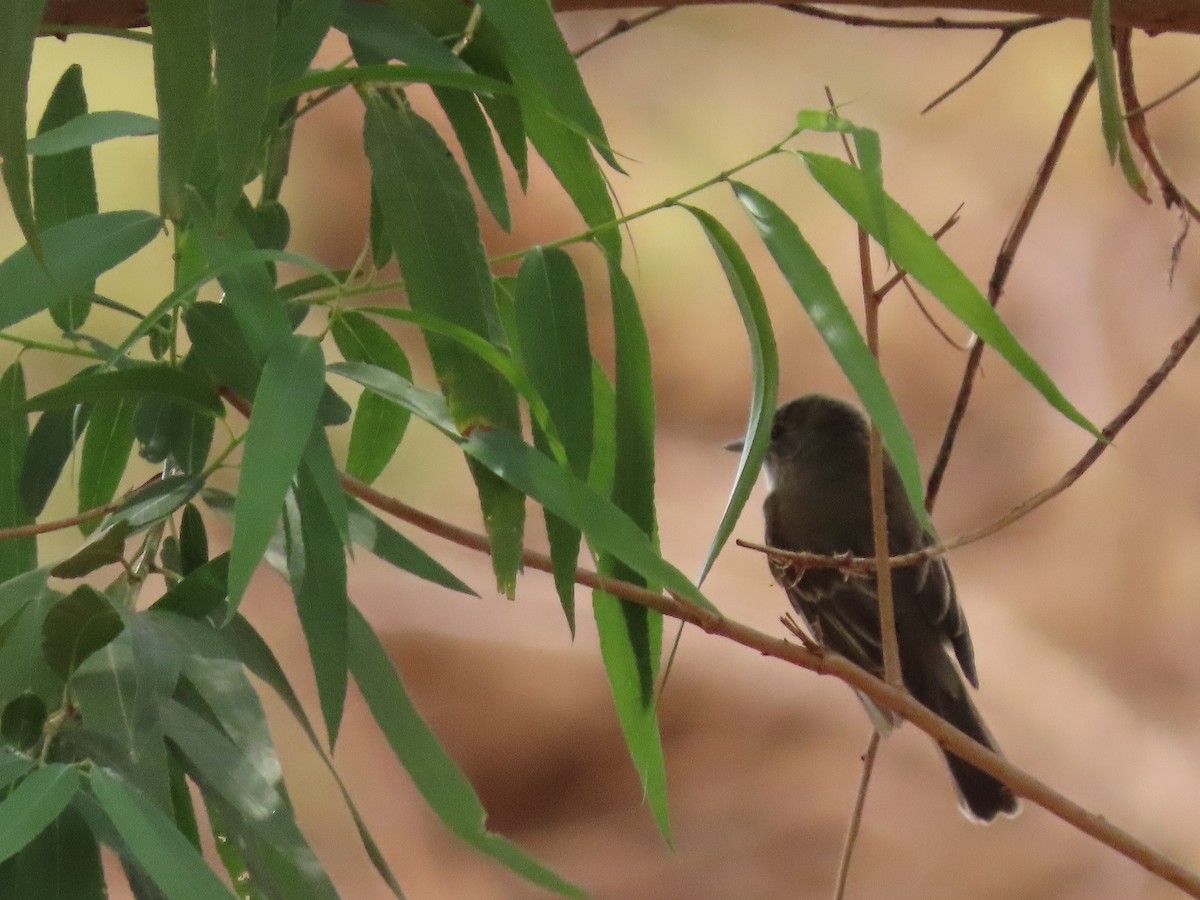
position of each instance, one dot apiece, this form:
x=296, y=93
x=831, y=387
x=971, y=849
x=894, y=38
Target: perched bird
x=819, y=501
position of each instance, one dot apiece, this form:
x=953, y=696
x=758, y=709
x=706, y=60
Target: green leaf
x=86, y=129
x=764, y=362
x=50, y=445
x=424, y=404
x=607, y=528
x=221, y=346
x=285, y=406
x=300, y=33
x=148, y=380
x=19, y=22
x=34, y=804
x=321, y=600
x=76, y=252
x=439, y=780
x=38, y=870
x=389, y=74
x=258, y=658
x=21, y=639
x=435, y=234
x=915, y=251
x=104, y=549
x=375, y=535
x=541, y=63
x=391, y=34
x=1112, y=117
x=106, y=449
x=317, y=464
x=199, y=593
x=812, y=284
x=551, y=322
x=165, y=854
x=23, y=721
x=379, y=424
x=249, y=287
x=193, y=540
x=156, y=502
x=169, y=430
x=64, y=187
x=76, y=627
x=630, y=635
x=182, y=79
x=243, y=36
x=17, y=555
x=471, y=128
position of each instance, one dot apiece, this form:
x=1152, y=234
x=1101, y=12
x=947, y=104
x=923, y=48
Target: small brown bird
x=820, y=502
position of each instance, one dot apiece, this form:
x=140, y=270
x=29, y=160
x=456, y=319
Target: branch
x=886, y=696
x=1151, y=16
x=1003, y=266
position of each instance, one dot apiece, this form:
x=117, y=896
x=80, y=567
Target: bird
x=819, y=501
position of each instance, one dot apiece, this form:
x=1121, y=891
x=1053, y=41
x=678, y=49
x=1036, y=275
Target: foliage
x=114, y=703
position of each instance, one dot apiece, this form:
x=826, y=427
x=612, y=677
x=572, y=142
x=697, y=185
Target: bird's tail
x=982, y=797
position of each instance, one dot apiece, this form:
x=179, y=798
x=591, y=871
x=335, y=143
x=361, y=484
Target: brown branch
x=1007, y=33
x=938, y=23
x=1140, y=134
x=1152, y=16
x=621, y=27
x=823, y=663
x=1003, y=265
x=901, y=274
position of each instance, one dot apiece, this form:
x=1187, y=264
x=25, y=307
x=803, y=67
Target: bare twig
x=1140, y=134
x=860, y=802
x=1159, y=101
x=938, y=23
x=620, y=27
x=945, y=335
x=1006, y=35
x=1003, y=266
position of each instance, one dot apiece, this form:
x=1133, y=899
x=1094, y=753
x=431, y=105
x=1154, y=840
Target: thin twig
x=1003, y=266
x=937, y=23
x=1006, y=35
x=860, y=802
x=1140, y=135
x=620, y=27
x=945, y=335
x=1159, y=101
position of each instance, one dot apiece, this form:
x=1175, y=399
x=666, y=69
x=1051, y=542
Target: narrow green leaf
x=764, y=362
x=389, y=33
x=193, y=540
x=13, y=766
x=630, y=635
x=64, y=186
x=285, y=406
x=182, y=79
x=199, y=593
x=76, y=252
x=539, y=59
x=149, y=380
x=379, y=424
x=221, y=346
x=375, y=535
x=50, y=445
x=19, y=21
x=169, y=430
x=105, y=548
x=439, y=780
x=816, y=291
x=86, y=129
x=299, y=36
x=258, y=658
x=249, y=287
x=243, y=36
x=318, y=465
x=915, y=251
x=165, y=854
x=38, y=871
x=155, y=503
x=424, y=404
x=471, y=128
x=434, y=232
x=19, y=591
x=17, y=555
x=505, y=114
x=607, y=528
x=321, y=601
x=34, y=804
x=1112, y=117
x=76, y=627
x=390, y=74
x=551, y=322
x=106, y=449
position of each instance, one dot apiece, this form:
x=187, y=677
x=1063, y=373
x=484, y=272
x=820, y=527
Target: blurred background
x=1085, y=614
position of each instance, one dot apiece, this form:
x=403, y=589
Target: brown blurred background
x=1085, y=615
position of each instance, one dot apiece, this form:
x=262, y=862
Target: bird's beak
x=736, y=446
